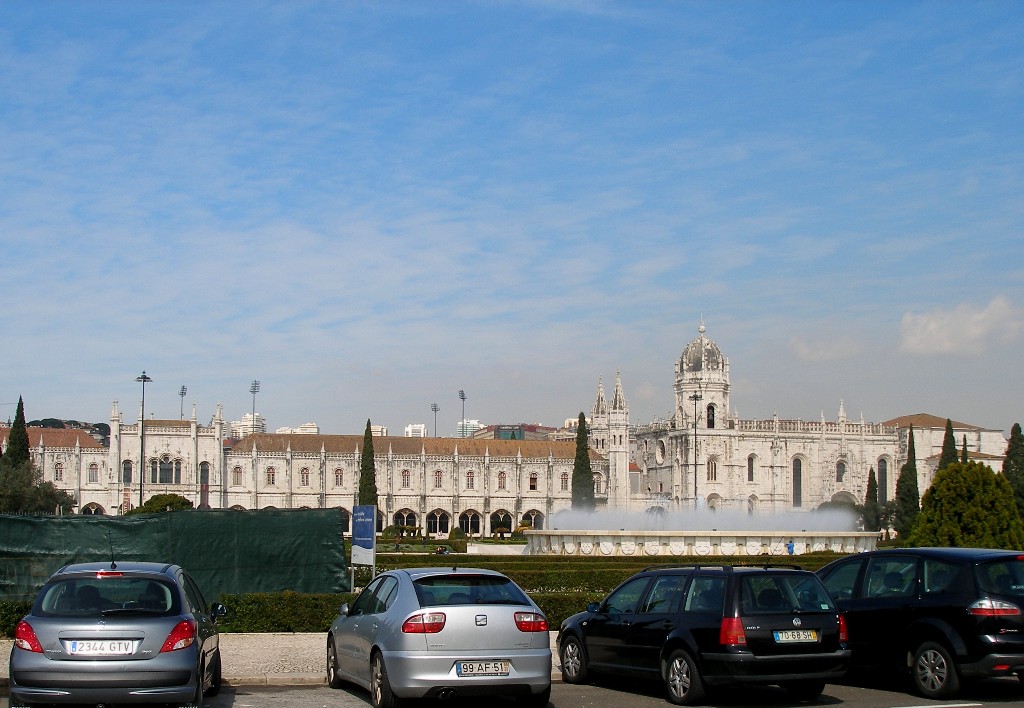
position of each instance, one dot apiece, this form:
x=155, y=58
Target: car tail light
x=731, y=633
x=109, y=574
x=531, y=622
x=426, y=623
x=844, y=633
x=183, y=634
x=987, y=607
x=25, y=638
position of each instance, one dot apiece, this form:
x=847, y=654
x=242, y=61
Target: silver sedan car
x=441, y=633
x=120, y=633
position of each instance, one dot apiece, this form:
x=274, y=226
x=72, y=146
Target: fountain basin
x=665, y=543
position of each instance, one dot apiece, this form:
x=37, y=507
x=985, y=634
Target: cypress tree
x=17, y=439
x=963, y=452
x=948, y=455
x=582, y=474
x=871, y=512
x=1013, y=466
x=908, y=498
x=367, y=472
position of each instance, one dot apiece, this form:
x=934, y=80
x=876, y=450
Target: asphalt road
x=862, y=693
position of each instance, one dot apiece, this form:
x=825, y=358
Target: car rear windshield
x=93, y=596
x=772, y=593
x=465, y=589
x=1002, y=577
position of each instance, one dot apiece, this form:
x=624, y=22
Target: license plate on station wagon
x=100, y=647
x=789, y=636
x=482, y=668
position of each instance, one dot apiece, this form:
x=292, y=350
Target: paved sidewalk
x=270, y=659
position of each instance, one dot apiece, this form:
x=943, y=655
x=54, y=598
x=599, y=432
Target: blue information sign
x=364, y=537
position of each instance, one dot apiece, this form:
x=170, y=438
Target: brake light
x=844, y=634
x=425, y=623
x=731, y=633
x=183, y=634
x=531, y=622
x=987, y=607
x=100, y=574
x=25, y=638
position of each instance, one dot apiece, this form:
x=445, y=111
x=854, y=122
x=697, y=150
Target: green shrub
x=10, y=614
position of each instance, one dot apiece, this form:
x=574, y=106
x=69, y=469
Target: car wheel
x=215, y=680
x=804, y=690
x=333, y=680
x=682, y=679
x=535, y=700
x=573, y=661
x=934, y=671
x=380, y=688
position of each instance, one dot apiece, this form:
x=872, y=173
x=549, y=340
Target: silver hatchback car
x=117, y=633
x=441, y=633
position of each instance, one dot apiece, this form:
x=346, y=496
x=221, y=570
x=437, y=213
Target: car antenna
x=113, y=565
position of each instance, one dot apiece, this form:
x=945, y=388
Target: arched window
x=204, y=473
x=405, y=517
x=597, y=484
x=501, y=522
x=177, y=471
x=840, y=471
x=304, y=477
x=406, y=479
x=565, y=482
x=470, y=479
x=126, y=472
x=502, y=480
x=167, y=469
x=271, y=476
x=711, y=415
x=153, y=475
x=883, y=480
x=94, y=473
x=798, y=482
x=236, y=477
x=437, y=522
x=339, y=477
x=469, y=522
x=750, y=468
x=58, y=472
x=438, y=478
x=534, y=519
x=533, y=481
x=712, y=471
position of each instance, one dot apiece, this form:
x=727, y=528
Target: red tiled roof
x=926, y=420
x=55, y=437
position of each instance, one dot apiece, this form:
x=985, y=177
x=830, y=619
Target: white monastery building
x=703, y=456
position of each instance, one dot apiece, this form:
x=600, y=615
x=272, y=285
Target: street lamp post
x=434, y=407
x=695, y=397
x=181, y=411
x=462, y=427
x=254, y=388
x=143, y=379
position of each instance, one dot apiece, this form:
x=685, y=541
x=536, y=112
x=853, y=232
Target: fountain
x=704, y=532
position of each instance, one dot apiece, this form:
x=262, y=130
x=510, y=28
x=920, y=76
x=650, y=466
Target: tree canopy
x=162, y=503
x=582, y=473
x=871, y=512
x=969, y=505
x=17, y=439
x=23, y=491
x=367, y=471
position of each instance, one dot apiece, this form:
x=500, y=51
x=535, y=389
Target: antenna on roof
x=113, y=565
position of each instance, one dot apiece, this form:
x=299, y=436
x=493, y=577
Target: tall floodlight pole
x=254, y=389
x=143, y=379
x=434, y=407
x=462, y=427
x=695, y=397
x=181, y=411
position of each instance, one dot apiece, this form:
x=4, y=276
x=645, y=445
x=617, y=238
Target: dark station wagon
x=695, y=626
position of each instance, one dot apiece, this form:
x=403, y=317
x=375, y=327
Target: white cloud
x=825, y=349
x=965, y=329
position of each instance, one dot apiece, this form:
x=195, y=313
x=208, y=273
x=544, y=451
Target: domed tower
x=702, y=372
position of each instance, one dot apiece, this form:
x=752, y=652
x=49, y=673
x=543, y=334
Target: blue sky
x=368, y=206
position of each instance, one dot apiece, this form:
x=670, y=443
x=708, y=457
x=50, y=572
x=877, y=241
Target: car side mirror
x=343, y=610
x=593, y=607
x=218, y=610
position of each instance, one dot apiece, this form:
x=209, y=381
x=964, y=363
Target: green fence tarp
x=226, y=551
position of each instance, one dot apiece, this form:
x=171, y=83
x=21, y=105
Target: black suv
x=694, y=626
x=944, y=614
